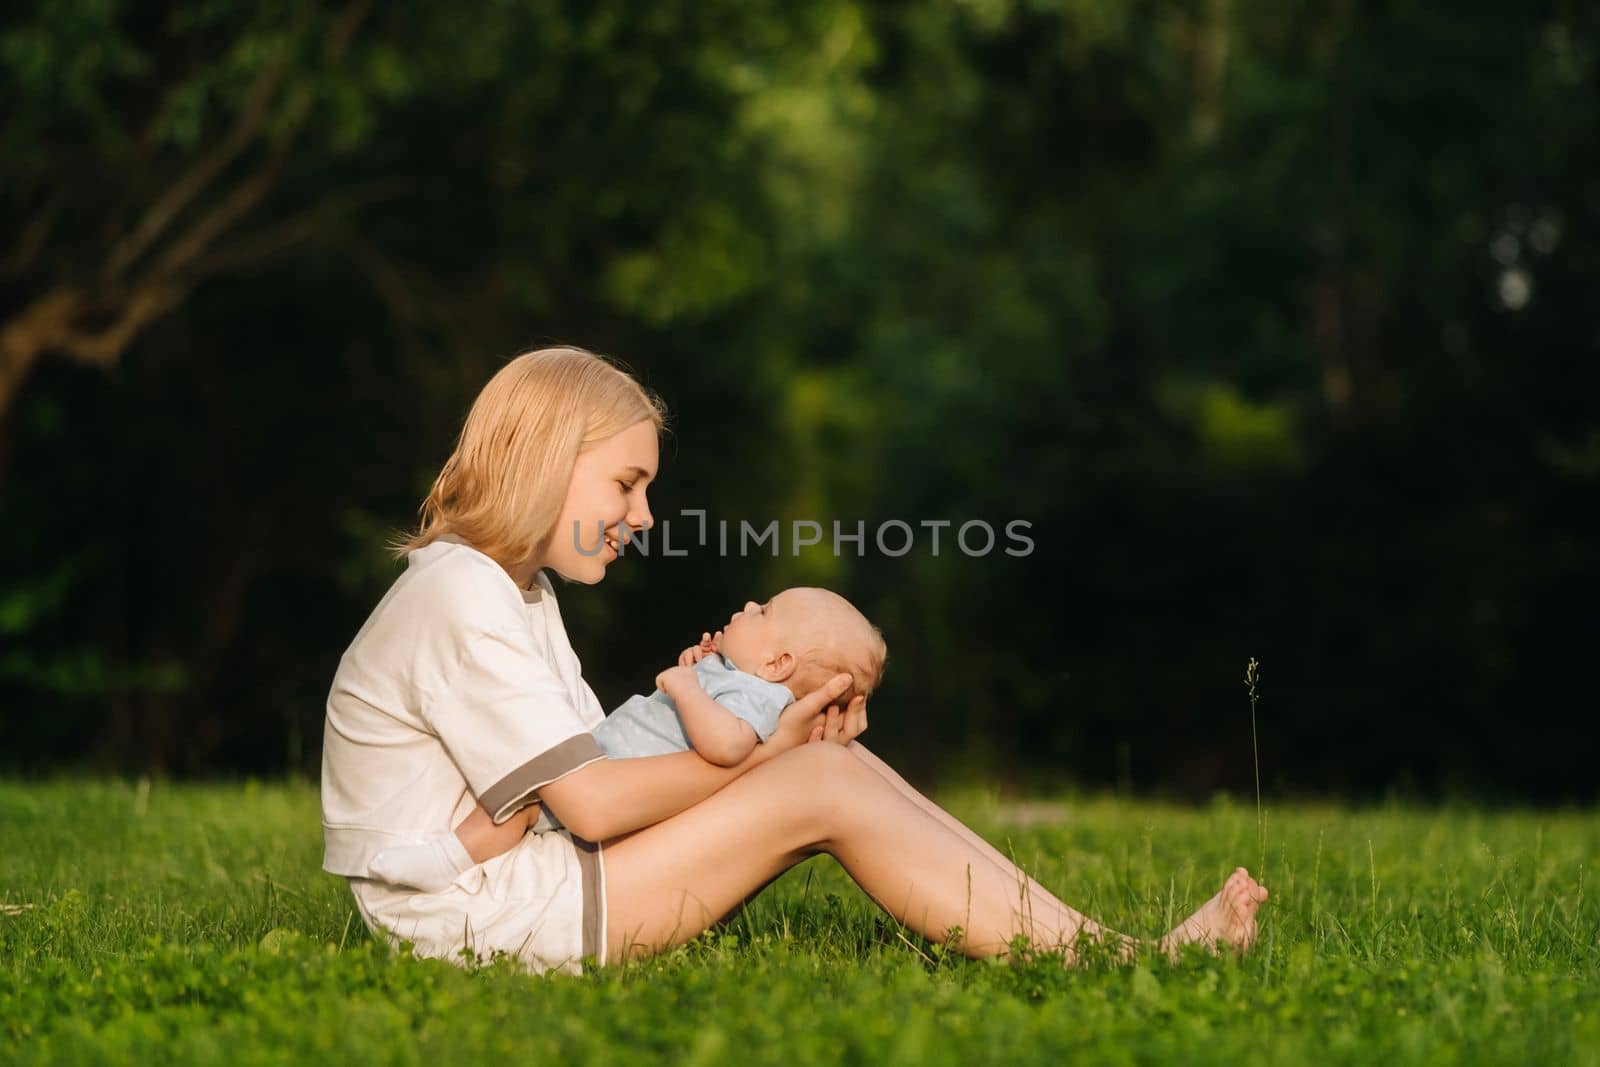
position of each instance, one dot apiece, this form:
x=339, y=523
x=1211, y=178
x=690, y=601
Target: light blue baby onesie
x=649, y=725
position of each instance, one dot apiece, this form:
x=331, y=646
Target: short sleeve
x=508, y=722
x=755, y=700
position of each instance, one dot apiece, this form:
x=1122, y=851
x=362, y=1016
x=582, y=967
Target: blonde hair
x=864, y=664
x=859, y=651
x=866, y=673
x=502, y=488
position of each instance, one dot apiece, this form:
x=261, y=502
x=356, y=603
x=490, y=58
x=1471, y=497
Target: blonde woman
x=461, y=688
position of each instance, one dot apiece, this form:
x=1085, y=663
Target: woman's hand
x=842, y=727
x=807, y=719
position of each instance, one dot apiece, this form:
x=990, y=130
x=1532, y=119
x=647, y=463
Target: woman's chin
x=588, y=569
x=584, y=572
x=594, y=574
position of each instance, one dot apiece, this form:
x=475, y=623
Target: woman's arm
x=612, y=797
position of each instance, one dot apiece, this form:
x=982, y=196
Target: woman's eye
x=627, y=487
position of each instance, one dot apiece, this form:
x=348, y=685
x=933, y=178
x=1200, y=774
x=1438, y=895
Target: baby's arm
x=695, y=653
x=720, y=736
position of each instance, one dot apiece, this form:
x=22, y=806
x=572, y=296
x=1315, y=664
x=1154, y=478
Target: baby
x=722, y=699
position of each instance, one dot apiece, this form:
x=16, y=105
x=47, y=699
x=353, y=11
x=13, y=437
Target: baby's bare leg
x=483, y=840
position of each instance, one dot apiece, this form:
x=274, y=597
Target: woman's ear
x=779, y=668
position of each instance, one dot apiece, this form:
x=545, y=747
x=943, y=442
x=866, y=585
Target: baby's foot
x=1227, y=920
x=432, y=866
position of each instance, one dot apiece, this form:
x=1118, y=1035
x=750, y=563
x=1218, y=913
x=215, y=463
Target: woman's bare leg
x=1239, y=889
x=667, y=883
x=1031, y=889
x=1034, y=890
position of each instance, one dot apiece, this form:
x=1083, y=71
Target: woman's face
x=607, y=492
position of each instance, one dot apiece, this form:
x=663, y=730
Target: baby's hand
x=695, y=653
x=674, y=679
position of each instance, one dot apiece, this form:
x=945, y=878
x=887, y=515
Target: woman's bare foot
x=1227, y=920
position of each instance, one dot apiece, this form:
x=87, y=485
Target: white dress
x=461, y=688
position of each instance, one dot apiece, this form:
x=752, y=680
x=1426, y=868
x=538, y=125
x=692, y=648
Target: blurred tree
x=1272, y=319
x=143, y=151
x=273, y=208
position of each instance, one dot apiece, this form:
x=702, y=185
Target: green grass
x=191, y=924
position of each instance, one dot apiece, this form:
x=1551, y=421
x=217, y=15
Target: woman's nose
x=640, y=518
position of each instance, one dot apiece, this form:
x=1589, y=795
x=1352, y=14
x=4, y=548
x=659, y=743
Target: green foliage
x=1273, y=319
x=190, y=924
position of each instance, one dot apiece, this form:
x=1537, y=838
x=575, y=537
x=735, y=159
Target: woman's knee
x=823, y=761
x=836, y=785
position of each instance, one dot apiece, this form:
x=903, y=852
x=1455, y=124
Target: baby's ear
x=780, y=668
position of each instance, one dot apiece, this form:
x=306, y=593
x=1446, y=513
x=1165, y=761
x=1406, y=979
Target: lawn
x=177, y=924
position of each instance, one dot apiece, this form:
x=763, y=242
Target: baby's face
x=757, y=633
x=771, y=640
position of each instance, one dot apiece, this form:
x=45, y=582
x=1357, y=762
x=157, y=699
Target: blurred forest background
x=1276, y=319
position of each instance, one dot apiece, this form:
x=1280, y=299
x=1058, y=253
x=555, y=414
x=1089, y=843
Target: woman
x=462, y=688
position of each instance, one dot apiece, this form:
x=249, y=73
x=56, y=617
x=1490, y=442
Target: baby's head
x=801, y=638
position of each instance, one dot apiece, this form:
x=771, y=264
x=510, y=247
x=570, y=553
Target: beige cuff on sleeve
x=509, y=793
